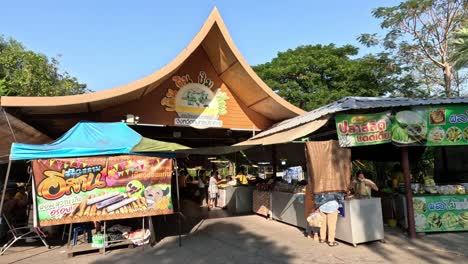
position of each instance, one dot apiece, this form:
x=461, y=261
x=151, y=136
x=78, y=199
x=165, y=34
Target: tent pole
x=7, y=176
x=178, y=200
x=409, y=194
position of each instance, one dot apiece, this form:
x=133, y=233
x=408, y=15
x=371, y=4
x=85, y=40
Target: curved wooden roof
x=224, y=56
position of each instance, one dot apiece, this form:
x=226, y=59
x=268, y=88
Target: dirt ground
x=253, y=239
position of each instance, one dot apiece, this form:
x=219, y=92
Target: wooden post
x=409, y=194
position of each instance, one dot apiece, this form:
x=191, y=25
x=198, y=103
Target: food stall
x=402, y=126
x=282, y=200
x=437, y=207
x=111, y=186
x=440, y=129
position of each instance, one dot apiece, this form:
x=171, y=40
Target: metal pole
x=273, y=161
x=5, y=183
x=69, y=235
x=144, y=231
x=105, y=238
x=152, y=232
x=178, y=201
x=9, y=125
x=409, y=194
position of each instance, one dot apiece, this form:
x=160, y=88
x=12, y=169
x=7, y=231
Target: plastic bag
x=315, y=219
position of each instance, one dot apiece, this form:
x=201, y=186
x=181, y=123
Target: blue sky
x=109, y=43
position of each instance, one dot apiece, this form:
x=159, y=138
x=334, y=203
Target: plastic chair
x=23, y=232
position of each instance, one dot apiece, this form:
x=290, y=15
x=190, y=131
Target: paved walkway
x=252, y=239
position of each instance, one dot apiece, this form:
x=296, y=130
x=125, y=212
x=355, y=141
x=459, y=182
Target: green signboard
x=361, y=130
x=443, y=125
x=441, y=213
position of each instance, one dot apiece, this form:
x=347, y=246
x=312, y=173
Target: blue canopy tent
x=92, y=139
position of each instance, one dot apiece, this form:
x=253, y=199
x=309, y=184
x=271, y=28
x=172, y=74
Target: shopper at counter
x=213, y=189
x=328, y=204
x=201, y=186
x=231, y=181
x=242, y=176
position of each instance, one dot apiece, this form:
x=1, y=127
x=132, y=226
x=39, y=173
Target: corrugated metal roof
x=357, y=103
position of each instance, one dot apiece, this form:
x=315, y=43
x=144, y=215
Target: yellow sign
x=196, y=103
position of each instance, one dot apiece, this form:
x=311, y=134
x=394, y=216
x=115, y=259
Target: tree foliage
x=26, y=73
x=419, y=35
x=460, y=57
x=312, y=76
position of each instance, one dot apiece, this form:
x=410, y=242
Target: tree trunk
x=448, y=80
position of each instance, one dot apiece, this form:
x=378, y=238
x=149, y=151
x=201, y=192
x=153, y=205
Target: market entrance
x=240, y=177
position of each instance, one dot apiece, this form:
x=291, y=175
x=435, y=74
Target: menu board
x=443, y=125
x=441, y=213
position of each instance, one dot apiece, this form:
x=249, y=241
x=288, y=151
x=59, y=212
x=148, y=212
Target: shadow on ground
x=431, y=248
x=214, y=243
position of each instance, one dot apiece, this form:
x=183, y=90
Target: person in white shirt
x=213, y=189
x=201, y=187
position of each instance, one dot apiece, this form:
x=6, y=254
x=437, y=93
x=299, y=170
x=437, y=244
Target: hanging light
x=131, y=119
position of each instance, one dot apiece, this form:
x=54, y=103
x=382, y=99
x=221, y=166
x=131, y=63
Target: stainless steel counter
x=237, y=199
x=289, y=208
x=362, y=221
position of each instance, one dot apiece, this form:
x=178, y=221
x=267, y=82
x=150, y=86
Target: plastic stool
x=81, y=228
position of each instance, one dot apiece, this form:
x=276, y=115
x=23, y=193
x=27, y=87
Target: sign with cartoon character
x=197, y=104
x=75, y=190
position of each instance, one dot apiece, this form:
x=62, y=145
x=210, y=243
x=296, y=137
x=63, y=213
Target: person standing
x=201, y=187
x=328, y=205
x=213, y=189
x=242, y=176
x=363, y=186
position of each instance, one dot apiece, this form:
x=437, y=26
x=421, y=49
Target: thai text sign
x=75, y=190
x=365, y=129
x=441, y=213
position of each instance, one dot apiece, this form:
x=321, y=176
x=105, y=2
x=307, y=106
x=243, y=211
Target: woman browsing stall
x=213, y=189
x=328, y=204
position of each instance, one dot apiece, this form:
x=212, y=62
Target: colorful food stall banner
x=364, y=129
x=75, y=190
x=441, y=213
x=442, y=125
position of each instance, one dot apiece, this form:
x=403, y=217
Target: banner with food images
x=364, y=129
x=441, y=125
x=441, y=213
x=74, y=190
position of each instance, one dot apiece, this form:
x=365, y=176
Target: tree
x=460, y=57
x=26, y=73
x=419, y=35
x=312, y=76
